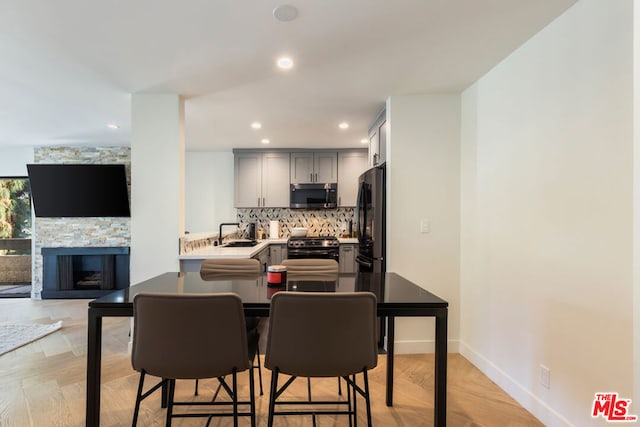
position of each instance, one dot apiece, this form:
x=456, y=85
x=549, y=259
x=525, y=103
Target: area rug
x=14, y=335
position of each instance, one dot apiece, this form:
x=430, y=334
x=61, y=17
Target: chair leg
x=349, y=404
x=355, y=402
x=235, y=398
x=172, y=389
x=134, y=423
x=367, y=397
x=272, y=396
x=259, y=370
x=252, y=398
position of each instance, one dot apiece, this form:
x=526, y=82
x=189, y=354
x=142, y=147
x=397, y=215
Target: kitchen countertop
x=242, y=252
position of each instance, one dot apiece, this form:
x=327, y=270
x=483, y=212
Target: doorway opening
x=15, y=237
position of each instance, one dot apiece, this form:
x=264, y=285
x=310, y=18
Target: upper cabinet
x=275, y=180
x=247, y=178
x=319, y=166
x=351, y=164
x=378, y=140
x=261, y=179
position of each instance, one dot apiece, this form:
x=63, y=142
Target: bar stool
x=321, y=334
x=169, y=342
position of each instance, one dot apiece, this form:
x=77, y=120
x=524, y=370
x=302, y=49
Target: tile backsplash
x=321, y=222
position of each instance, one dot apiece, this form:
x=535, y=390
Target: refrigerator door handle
x=364, y=262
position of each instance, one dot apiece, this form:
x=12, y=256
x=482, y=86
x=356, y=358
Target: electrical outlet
x=424, y=226
x=545, y=376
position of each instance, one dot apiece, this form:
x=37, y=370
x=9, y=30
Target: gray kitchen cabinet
x=261, y=179
x=347, y=258
x=263, y=257
x=378, y=140
x=275, y=180
x=247, y=174
x=351, y=164
x=310, y=167
x=278, y=253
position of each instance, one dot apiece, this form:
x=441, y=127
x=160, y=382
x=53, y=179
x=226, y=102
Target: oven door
x=313, y=253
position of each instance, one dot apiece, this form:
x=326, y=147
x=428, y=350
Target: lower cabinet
x=190, y=265
x=278, y=254
x=263, y=257
x=348, y=258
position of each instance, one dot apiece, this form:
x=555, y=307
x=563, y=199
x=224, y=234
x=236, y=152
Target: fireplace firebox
x=88, y=272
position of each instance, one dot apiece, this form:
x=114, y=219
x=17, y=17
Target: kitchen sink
x=240, y=244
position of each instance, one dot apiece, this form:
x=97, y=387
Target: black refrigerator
x=370, y=220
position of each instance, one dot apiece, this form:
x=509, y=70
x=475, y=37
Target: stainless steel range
x=326, y=247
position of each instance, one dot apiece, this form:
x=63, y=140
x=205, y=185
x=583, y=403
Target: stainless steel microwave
x=313, y=196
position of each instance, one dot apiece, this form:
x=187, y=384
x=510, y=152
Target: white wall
x=209, y=190
x=547, y=215
x=423, y=157
x=636, y=206
x=13, y=160
x=157, y=184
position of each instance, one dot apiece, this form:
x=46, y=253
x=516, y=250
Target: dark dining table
x=397, y=297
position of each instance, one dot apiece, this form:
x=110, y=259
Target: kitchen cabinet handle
x=316, y=180
x=339, y=201
x=258, y=201
x=311, y=177
x=263, y=202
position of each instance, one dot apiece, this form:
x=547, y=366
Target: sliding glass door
x=15, y=236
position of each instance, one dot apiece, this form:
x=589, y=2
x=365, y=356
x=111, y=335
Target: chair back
x=311, y=266
x=319, y=334
x=231, y=268
x=180, y=336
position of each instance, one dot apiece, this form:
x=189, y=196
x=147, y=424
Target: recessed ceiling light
x=256, y=125
x=265, y=141
x=344, y=125
x=364, y=140
x=285, y=13
x=113, y=126
x=285, y=63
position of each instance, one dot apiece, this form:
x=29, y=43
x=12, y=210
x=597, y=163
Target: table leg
x=440, y=392
x=390, y=344
x=94, y=353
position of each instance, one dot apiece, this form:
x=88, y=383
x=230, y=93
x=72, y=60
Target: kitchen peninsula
x=191, y=261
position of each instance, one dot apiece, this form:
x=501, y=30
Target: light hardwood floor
x=43, y=383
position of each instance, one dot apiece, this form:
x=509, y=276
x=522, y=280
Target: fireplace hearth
x=84, y=272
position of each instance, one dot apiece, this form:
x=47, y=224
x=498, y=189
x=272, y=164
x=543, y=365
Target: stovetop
x=313, y=242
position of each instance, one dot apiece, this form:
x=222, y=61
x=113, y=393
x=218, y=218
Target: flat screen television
x=79, y=190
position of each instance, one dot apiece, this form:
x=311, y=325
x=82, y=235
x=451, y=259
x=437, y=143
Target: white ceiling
x=68, y=67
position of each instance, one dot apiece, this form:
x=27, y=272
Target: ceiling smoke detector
x=285, y=13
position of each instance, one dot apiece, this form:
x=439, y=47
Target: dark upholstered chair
x=178, y=336
x=239, y=269
x=322, y=334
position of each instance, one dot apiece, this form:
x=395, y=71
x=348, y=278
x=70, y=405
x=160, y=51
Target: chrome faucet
x=237, y=224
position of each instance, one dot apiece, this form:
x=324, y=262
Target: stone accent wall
x=79, y=232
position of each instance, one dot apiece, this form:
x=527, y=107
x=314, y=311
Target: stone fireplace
x=90, y=234
x=84, y=272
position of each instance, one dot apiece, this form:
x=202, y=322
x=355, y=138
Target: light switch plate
x=424, y=226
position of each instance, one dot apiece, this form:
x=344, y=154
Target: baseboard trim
x=423, y=346
x=547, y=415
